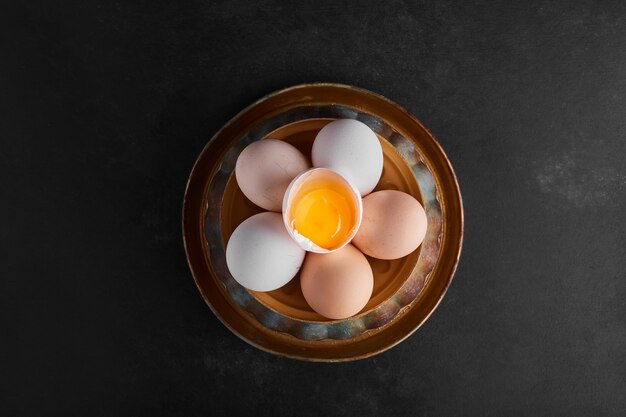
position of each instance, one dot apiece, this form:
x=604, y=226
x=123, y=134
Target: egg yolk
x=324, y=216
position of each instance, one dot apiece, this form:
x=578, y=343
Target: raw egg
x=337, y=285
x=352, y=148
x=322, y=210
x=394, y=225
x=261, y=255
x=264, y=170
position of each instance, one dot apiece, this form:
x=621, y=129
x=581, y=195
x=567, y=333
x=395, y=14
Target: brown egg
x=339, y=284
x=264, y=170
x=394, y=225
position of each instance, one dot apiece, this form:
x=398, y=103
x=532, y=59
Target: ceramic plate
x=406, y=291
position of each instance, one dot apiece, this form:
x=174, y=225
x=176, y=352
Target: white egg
x=261, y=255
x=352, y=148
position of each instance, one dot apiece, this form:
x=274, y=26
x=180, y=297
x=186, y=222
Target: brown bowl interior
x=388, y=275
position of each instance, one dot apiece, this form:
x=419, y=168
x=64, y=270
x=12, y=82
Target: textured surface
x=105, y=106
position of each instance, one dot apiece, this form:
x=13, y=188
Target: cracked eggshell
x=293, y=189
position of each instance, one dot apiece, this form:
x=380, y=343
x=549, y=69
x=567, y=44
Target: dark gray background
x=105, y=106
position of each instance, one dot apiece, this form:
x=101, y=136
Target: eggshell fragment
x=264, y=170
x=352, y=148
x=337, y=285
x=261, y=255
x=394, y=225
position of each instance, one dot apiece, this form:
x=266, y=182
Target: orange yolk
x=324, y=215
